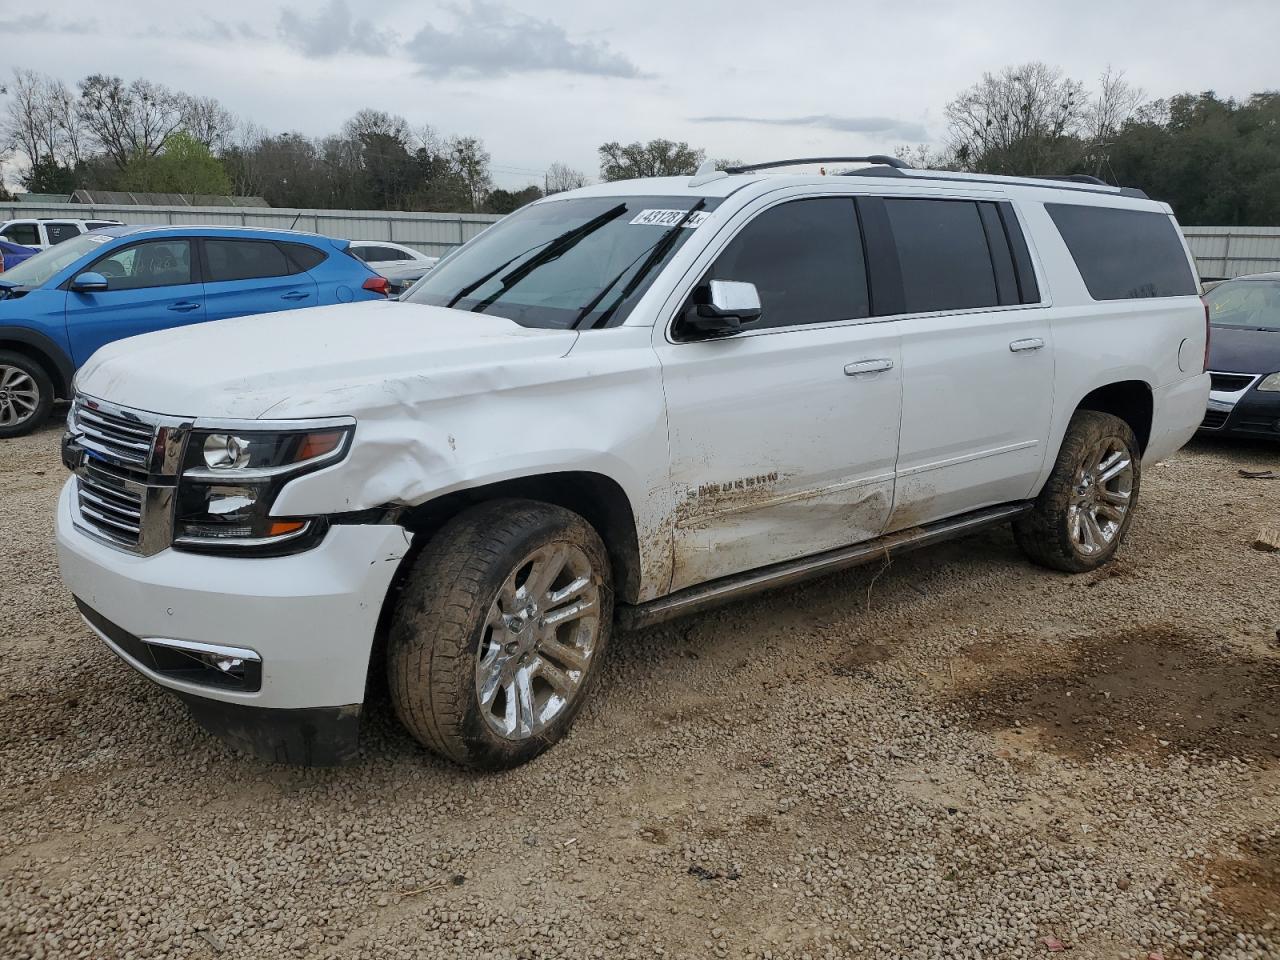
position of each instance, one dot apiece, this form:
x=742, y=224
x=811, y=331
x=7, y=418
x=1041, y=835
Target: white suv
x=43, y=233
x=625, y=402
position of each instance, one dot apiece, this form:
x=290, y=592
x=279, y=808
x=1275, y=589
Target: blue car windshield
x=581, y=261
x=33, y=272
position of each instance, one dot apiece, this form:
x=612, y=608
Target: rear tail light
x=1206, y=332
x=378, y=285
x=1, y=261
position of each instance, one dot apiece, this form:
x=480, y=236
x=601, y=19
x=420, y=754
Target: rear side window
x=805, y=258
x=25, y=234
x=99, y=224
x=245, y=260
x=304, y=256
x=59, y=232
x=1124, y=254
x=944, y=255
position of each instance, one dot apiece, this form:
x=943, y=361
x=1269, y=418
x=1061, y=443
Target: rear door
x=59, y=231
x=154, y=285
x=244, y=276
x=977, y=355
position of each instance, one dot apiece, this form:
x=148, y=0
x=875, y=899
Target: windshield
x=1245, y=303
x=33, y=272
x=578, y=262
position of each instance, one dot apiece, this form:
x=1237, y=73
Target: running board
x=705, y=595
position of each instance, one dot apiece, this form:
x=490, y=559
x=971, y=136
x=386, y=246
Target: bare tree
x=561, y=177
x=1022, y=120
x=128, y=121
x=208, y=121
x=1117, y=102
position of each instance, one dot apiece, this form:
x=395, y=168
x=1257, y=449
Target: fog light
x=232, y=666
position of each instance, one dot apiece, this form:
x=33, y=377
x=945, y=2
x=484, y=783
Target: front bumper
x=1254, y=413
x=310, y=618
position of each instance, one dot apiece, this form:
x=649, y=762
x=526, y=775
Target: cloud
x=331, y=31
x=491, y=40
x=888, y=127
x=40, y=23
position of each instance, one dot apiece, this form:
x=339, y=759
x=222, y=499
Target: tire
x=1086, y=506
x=466, y=620
x=26, y=394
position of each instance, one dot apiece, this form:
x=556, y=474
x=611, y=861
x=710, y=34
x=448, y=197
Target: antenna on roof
x=705, y=173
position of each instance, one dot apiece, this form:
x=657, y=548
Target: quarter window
x=245, y=260
x=805, y=259
x=156, y=263
x=1125, y=254
x=943, y=253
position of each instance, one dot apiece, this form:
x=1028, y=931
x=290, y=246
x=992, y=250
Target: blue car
x=12, y=254
x=61, y=305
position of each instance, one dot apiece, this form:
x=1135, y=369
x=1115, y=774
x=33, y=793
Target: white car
x=44, y=233
x=626, y=402
x=383, y=253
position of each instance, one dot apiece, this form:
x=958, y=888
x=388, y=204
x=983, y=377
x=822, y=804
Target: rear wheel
x=499, y=633
x=1085, y=508
x=26, y=394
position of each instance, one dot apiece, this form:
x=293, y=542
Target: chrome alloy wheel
x=1100, y=497
x=19, y=396
x=538, y=640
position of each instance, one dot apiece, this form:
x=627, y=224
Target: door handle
x=867, y=366
x=294, y=295
x=1021, y=346
x=184, y=306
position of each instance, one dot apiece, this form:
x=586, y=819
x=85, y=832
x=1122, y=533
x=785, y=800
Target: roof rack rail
x=1087, y=183
x=1071, y=178
x=877, y=158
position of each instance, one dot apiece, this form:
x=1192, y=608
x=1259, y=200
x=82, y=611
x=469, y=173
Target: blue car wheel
x=26, y=394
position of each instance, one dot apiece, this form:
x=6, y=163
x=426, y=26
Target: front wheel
x=1086, y=506
x=26, y=394
x=500, y=631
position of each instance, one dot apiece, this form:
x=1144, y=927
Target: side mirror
x=720, y=309
x=90, y=283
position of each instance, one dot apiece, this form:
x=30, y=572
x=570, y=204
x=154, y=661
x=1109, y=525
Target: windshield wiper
x=656, y=254
x=553, y=249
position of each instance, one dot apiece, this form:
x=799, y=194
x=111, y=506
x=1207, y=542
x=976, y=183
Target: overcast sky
x=552, y=80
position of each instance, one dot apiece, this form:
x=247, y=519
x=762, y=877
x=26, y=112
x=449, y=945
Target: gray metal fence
x=432, y=233
x=1225, y=252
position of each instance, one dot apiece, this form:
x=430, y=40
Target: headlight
x=230, y=479
x=1270, y=383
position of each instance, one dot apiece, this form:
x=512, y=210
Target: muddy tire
x=1085, y=508
x=26, y=394
x=500, y=629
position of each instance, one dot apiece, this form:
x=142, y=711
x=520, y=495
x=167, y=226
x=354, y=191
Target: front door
x=152, y=286
x=783, y=439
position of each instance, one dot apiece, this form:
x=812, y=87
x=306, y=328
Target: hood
x=1244, y=350
x=324, y=361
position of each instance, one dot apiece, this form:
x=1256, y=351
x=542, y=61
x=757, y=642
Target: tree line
x=1216, y=160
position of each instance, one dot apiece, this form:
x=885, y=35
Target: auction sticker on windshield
x=669, y=218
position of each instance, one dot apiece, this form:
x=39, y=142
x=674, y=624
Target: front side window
x=59, y=232
x=46, y=264
x=943, y=253
x=805, y=259
x=155, y=263
x=579, y=262
x=245, y=260
x=1125, y=254
x=25, y=234
x=1252, y=304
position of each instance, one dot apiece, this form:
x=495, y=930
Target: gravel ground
x=956, y=755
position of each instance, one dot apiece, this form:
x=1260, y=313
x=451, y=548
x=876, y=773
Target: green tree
x=48, y=176
x=508, y=201
x=657, y=158
x=184, y=166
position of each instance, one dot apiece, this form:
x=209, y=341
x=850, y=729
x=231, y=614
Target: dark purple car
x=12, y=254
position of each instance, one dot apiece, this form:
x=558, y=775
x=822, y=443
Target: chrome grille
x=111, y=504
x=117, y=436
